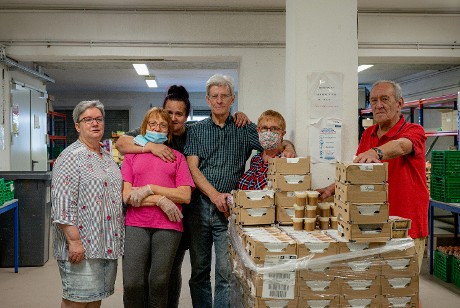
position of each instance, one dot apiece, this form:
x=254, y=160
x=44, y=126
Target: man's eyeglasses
x=90, y=120
x=273, y=129
x=222, y=97
x=154, y=124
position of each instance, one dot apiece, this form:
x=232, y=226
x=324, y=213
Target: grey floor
x=41, y=287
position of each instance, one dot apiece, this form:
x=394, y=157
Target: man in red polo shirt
x=402, y=145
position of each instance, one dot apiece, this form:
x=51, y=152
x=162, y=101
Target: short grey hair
x=396, y=87
x=82, y=106
x=221, y=80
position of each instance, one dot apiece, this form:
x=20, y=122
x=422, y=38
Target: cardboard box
x=397, y=248
x=357, y=173
x=380, y=232
x=284, y=215
x=285, y=198
x=372, y=193
x=318, y=302
x=314, y=243
x=399, y=286
x=274, y=303
x=360, y=288
x=360, y=268
x=319, y=271
x=253, y=198
x=352, y=212
x=282, y=165
x=261, y=245
x=273, y=286
x=400, y=267
x=400, y=222
x=289, y=182
x=449, y=119
x=323, y=288
x=409, y=301
x=254, y=216
x=347, y=301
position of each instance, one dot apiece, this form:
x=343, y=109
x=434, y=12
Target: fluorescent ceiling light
x=151, y=82
x=141, y=69
x=364, y=67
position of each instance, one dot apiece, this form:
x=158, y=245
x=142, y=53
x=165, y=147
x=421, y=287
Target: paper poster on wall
x=15, y=119
x=325, y=140
x=325, y=92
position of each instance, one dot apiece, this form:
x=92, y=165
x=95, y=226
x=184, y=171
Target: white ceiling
x=119, y=75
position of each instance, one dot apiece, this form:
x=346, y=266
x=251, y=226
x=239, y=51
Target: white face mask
x=269, y=140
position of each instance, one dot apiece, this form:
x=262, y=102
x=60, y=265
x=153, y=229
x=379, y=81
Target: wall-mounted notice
x=325, y=92
x=325, y=140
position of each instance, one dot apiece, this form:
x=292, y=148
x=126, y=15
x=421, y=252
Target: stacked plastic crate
x=445, y=176
x=6, y=191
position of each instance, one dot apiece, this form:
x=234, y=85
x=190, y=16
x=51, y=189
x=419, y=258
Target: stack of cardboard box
x=253, y=207
x=361, y=201
x=280, y=267
x=285, y=176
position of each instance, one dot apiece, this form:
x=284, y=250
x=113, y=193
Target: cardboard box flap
x=283, y=165
x=257, y=194
x=361, y=173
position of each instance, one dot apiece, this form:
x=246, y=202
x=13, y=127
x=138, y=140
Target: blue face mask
x=156, y=137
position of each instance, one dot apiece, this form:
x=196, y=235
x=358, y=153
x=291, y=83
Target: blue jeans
x=208, y=226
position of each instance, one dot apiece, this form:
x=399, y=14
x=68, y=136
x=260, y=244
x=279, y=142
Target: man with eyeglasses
x=216, y=153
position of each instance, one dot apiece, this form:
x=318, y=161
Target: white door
x=20, y=129
x=38, y=131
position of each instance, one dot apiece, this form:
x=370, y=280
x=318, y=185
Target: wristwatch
x=379, y=152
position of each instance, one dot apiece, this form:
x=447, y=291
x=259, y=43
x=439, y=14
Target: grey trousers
x=147, y=263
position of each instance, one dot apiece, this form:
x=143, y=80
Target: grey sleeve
x=134, y=132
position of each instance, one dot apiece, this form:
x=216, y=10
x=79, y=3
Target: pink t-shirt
x=146, y=168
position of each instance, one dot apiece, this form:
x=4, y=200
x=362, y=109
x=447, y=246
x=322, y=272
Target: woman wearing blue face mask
x=153, y=220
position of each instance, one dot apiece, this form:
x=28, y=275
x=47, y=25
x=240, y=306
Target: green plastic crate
x=445, y=163
x=443, y=266
x=9, y=186
x=456, y=271
x=445, y=189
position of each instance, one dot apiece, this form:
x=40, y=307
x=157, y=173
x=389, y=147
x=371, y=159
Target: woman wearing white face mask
x=153, y=220
x=271, y=127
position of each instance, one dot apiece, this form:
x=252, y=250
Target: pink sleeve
x=127, y=168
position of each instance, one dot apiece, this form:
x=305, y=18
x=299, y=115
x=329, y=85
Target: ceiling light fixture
x=364, y=67
x=141, y=69
x=151, y=81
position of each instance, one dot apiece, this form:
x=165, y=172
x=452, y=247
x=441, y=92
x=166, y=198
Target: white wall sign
x=325, y=140
x=325, y=93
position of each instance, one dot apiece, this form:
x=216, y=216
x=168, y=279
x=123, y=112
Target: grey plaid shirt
x=222, y=151
x=86, y=193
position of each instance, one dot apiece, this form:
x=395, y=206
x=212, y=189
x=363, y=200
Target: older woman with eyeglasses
x=87, y=213
x=271, y=128
x=154, y=191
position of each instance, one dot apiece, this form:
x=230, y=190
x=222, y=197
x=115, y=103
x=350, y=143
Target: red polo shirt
x=407, y=190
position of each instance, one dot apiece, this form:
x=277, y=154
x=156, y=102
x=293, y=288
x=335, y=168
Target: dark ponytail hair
x=178, y=93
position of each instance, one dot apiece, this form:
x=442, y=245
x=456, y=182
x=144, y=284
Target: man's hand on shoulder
x=241, y=119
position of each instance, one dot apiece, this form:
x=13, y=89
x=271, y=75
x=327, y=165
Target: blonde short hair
x=273, y=115
x=164, y=115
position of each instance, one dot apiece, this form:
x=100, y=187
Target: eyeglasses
x=90, y=120
x=222, y=97
x=273, y=129
x=154, y=124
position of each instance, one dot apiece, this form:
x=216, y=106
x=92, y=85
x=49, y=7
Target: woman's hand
x=170, y=209
x=76, y=251
x=138, y=194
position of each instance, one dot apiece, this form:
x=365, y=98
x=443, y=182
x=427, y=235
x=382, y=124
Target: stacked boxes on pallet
x=6, y=191
x=361, y=201
x=280, y=267
x=445, y=176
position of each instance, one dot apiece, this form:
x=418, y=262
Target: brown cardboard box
x=282, y=165
x=360, y=268
x=275, y=303
x=285, y=198
x=400, y=267
x=372, y=193
x=254, y=216
x=315, y=242
x=397, y=248
x=254, y=198
x=369, y=213
x=284, y=215
x=400, y=222
x=271, y=286
x=324, y=288
x=380, y=232
x=262, y=244
x=409, y=301
x=316, y=302
x=289, y=182
x=399, y=286
x=347, y=301
x=357, y=173
x=360, y=288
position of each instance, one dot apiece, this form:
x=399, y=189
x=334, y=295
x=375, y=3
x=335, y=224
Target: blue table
x=10, y=205
x=454, y=208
